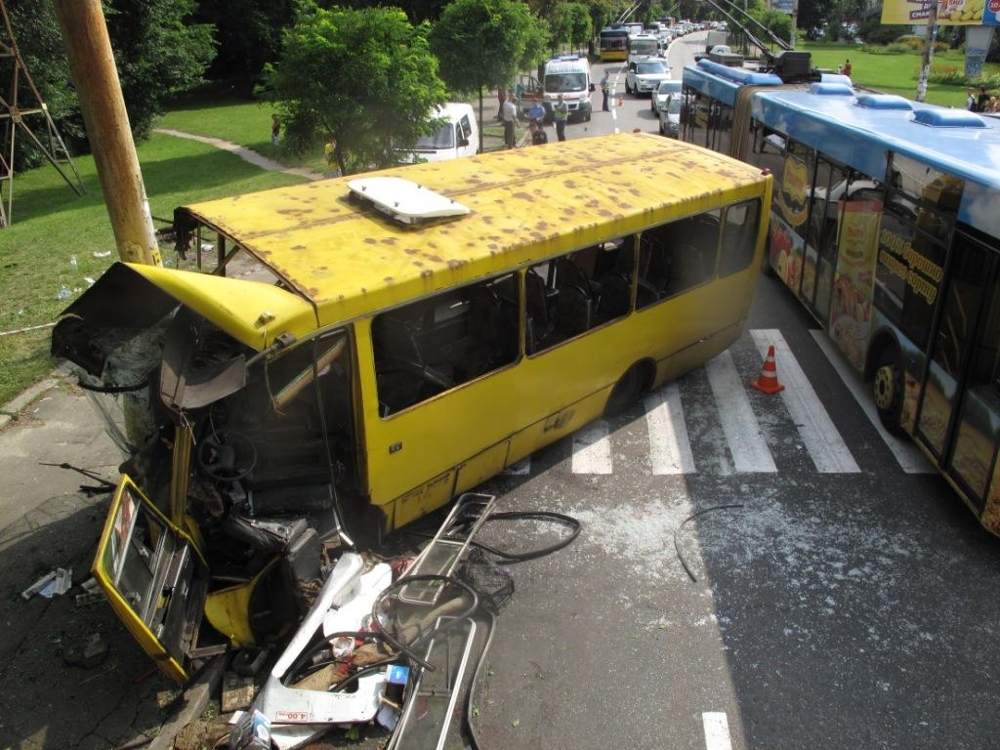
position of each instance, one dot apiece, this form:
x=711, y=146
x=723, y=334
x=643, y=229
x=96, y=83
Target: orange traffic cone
x=768, y=380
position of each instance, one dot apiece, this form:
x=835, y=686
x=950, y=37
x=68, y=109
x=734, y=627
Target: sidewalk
x=244, y=153
x=51, y=697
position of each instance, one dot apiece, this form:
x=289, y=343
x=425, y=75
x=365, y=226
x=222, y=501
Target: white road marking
x=716, y=725
x=669, y=447
x=908, y=455
x=827, y=449
x=592, y=449
x=739, y=423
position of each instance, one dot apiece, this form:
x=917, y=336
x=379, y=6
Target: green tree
x=580, y=27
x=248, y=36
x=366, y=78
x=158, y=52
x=775, y=21
x=486, y=43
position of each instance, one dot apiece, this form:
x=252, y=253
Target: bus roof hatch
x=405, y=201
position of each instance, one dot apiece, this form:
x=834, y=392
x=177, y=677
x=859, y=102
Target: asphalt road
x=832, y=609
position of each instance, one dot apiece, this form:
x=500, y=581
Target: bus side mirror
x=592, y=87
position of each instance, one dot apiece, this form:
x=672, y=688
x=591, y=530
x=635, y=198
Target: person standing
x=847, y=67
x=983, y=102
x=970, y=101
x=605, y=91
x=560, y=114
x=330, y=156
x=501, y=97
x=509, y=110
x=275, y=133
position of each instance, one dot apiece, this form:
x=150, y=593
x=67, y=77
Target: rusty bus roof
x=525, y=204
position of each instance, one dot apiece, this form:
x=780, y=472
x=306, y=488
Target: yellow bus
x=369, y=347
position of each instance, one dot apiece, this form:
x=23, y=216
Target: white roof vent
x=405, y=201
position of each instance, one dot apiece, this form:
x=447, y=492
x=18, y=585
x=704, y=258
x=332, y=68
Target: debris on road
x=54, y=583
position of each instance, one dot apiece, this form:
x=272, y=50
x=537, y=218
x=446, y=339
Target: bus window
x=936, y=195
x=579, y=291
x=676, y=257
x=768, y=150
x=430, y=346
x=739, y=237
x=908, y=274
x=963, y=297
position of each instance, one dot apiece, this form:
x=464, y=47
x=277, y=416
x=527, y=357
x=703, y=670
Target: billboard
x=950, y=12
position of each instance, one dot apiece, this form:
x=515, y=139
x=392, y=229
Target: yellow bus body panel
x=251, y=312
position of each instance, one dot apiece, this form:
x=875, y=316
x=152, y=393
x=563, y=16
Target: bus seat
x=485, y=316
x=616, y=297
x=568, y=273
x=492, y=333
x=573, y=310
x=537, y=299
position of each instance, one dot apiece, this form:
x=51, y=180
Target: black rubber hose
x=677, y=547
x=364, y=635
x=542, y=515
x=368, y=669
x=473, y=739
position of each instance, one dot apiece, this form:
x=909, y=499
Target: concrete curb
x=196, y=699
x=10, y=411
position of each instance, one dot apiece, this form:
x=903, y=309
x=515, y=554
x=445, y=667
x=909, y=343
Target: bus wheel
x=626, y=391
x=888, y=390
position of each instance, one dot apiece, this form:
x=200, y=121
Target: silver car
x=665, y=89
x=670, y=116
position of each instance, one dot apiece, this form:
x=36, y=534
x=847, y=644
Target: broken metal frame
x=298, y=714
x=12, y=118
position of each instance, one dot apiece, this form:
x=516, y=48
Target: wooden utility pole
x=92, y=65
x=929, y=39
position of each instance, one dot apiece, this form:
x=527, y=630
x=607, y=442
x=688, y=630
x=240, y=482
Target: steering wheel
x=227, y=455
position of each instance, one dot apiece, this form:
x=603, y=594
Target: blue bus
x=885, y=224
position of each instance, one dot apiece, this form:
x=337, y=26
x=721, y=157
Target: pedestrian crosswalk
x=738, y=413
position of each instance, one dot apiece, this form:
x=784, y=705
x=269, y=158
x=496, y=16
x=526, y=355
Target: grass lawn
x=894, y=74
x=58, y=239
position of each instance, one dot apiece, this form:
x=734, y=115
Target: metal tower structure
x=13, y=116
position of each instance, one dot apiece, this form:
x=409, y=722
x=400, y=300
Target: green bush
x=950, y=75
x=873, y=32
x=889, y=49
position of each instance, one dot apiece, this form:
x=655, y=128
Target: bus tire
x=887, y=389
x=626, y=391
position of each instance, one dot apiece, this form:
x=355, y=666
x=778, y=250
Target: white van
x=458, y=136
x=568, y=75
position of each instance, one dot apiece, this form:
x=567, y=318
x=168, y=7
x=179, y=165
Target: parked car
x=670, y=116
x=663, y=91
x=645, y=75
x=458, y=135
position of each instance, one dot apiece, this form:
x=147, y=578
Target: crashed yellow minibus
x=367, y=348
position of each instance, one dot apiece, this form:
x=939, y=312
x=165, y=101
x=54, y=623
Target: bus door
x=959, y=410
